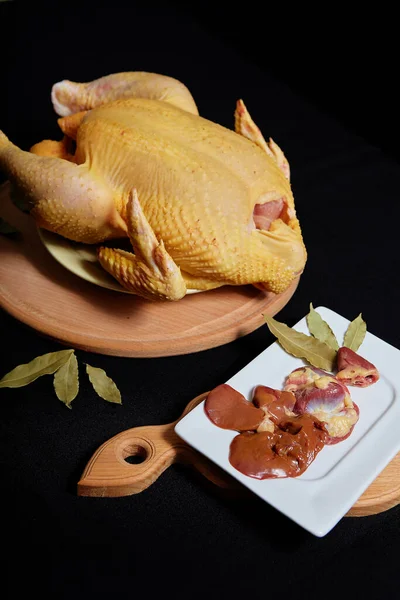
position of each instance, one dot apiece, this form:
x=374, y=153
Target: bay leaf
x=66, y=381
x=103, y=385
x=320, y=329
x=355, y=333
x=301, y=345
x=7, y=228
x=47, y=364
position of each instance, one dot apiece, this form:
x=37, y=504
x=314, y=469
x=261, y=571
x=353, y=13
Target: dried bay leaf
x=320, y=329
x=300, y=345
x=355, y=334
x=47, y=364
x=103, y=385
x=66, y=381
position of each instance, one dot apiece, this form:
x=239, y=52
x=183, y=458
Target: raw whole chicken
x=202, y=206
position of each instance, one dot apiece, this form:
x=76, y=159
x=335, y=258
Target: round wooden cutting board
x=37, y=290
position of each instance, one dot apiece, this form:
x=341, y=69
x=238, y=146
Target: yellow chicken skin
x=203, y=206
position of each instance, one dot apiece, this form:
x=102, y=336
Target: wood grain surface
x=37, y=290
x=109, y=474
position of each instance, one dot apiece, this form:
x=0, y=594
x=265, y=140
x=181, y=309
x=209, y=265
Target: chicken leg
x=69, y=97
x=64, y=197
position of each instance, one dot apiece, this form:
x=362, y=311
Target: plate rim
x=55, y=244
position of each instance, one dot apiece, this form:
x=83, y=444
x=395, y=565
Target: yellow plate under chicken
x=81, y=259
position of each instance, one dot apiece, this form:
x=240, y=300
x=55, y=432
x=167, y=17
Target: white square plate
x=340, y=474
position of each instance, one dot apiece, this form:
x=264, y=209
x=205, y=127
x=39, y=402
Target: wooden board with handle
x=109, y=474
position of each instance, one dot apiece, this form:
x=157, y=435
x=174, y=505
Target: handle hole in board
x=135, y=454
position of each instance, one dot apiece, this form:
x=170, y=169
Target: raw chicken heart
x=353, y=369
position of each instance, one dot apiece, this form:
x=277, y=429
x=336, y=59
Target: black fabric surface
x=182, y=535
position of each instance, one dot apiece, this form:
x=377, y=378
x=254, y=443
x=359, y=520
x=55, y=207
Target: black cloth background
x=181, y=535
